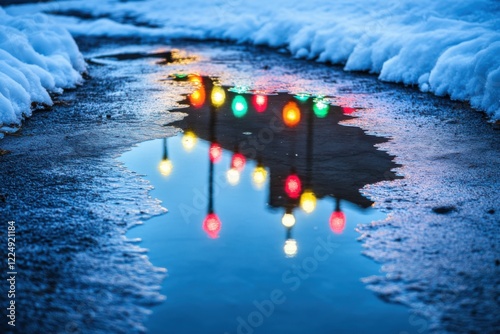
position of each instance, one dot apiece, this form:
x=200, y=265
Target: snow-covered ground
x=448, y=48
x=37, y=57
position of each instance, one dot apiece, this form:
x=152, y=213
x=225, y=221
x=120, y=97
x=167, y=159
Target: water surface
x=263, y=193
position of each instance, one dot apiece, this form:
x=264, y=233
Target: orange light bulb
x=291, y=114
x=197, y=98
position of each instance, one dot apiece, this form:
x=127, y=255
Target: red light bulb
x=348, y=111
x=238, y=161
x=293, y=186
x=215, y=152
x=212, y=225
x=260, y=102
x=337, y=222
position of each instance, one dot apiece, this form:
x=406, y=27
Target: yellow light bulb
x=218, y=96
x=189, y=140
x=165, y=167
x=288, y=220
x=308, y=201
x=233, y=176
x=259, y=177
x=290, y=247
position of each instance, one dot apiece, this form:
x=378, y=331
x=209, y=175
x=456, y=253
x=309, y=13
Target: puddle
x=166, y=57
x=263, y=193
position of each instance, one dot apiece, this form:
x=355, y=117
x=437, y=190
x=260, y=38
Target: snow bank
x=445, y=47
x=36, y=57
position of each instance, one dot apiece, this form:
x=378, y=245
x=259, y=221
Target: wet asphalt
x=72, y=201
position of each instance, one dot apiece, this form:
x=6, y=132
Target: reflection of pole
x=165, y=152
x=211, y=188
x=211, y=166
x=309, y=148
x=291, y=118
x=308, y=198
x=211, y=124
x=211, y=223
x=294, y=147
x=165, y=165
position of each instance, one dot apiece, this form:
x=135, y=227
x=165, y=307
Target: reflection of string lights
x=238, y=161
x=196, y=79
x=293, y=186
x=237, y=165
x=215, y=152
x=212, y=225
x=165, y=167
x=320, y=108
x=180, y=76
x=288, y=220
x=239, y=89
x=218, y=96
x=259, y=176
x=337, y=221
x=348, y=111
x=189, y=140
x=260, y=102
x=239, y=106
x=291, y=114
x=302, y=97
x=233, y=176
x=197, y=98
x=308, y=201
x=290, y=247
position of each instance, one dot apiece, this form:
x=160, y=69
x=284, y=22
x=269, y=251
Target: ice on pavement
x=36, y=57
x=448, y=48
